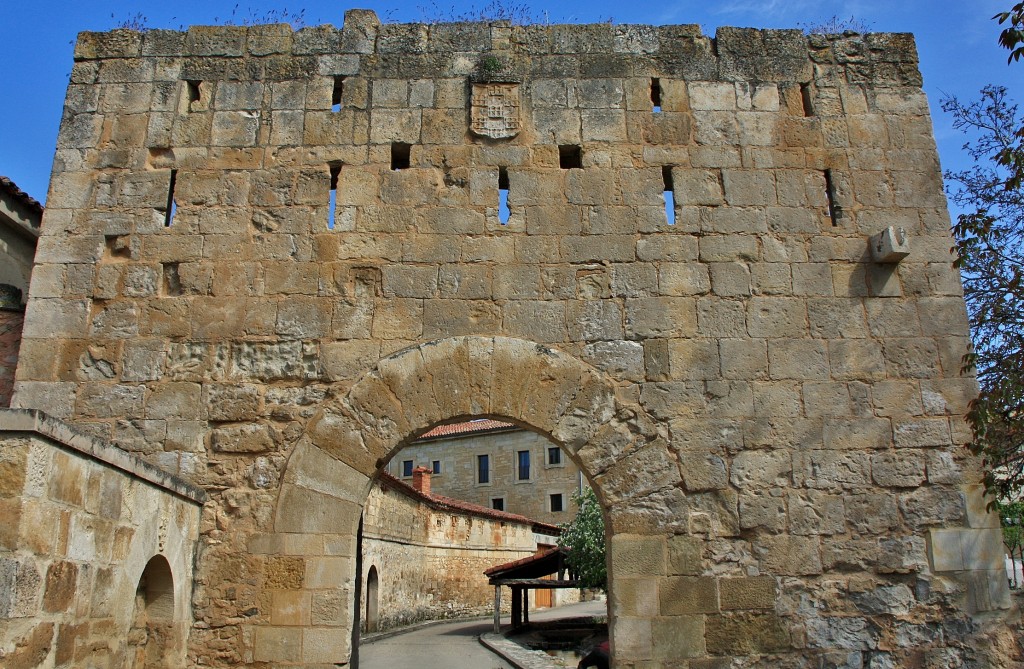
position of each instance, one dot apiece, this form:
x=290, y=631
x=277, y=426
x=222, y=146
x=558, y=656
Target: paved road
x=448, y=646
x=453, y=645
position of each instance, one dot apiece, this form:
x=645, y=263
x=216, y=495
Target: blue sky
x=956, y=41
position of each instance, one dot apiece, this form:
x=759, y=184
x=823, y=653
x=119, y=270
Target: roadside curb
x=378, y=636
x=516, y=655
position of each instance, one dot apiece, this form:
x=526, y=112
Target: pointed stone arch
x=622, y=451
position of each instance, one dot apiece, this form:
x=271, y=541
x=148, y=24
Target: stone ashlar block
x=790, y=555
x=637, y=555
x=684, y=555
x=678, y=637
x=290, y=607
x=752, y=592
x=325, y=646
x=634, y=637
x=767, y=512
x=278, y=644
x=762, y=469
x=636, y=596
x=745, y=634
x=686, y=595
x=302, y=510
x=249, y=438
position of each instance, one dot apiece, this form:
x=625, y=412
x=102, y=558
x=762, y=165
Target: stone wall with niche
x=81, y=522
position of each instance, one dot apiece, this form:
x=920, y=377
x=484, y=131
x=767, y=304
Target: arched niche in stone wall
x=152, y=636
x=623, y=452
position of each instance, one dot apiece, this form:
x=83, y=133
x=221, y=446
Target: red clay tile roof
x=443, y=503
x=27, y=200
x=542, y=555
x=468, y=427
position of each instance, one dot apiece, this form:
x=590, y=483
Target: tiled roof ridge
x=450, y=503
x=521, y=561
x=26, y=199
x=467, y=427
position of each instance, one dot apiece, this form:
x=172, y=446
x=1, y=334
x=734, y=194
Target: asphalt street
x=447, y=646
x=453, y=645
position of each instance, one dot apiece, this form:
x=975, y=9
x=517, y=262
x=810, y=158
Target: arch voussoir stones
x=460, y=369
x=649, y=468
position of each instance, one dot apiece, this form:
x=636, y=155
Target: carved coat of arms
x=494, y=110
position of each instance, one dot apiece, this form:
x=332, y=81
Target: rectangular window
x=435, y=466
x=483, y=469
x=835, y=212
x=339, y=86
x=401, y=155
x=498, y=503
x=335, y=169
x=805, y=99
x=523, y=462
x=554, y=455
x=570, y=157
x=172, y=206
x=406, y=468
x=655, y=95
x=557, y=503
x=503, y=210
x=191, y=97
x=670, y=198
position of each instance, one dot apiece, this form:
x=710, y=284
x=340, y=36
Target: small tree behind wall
x=1012, y=515
x=584, y=539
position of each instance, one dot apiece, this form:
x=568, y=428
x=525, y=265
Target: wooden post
x=497, y=609
x=526, y=606
x=517, y=606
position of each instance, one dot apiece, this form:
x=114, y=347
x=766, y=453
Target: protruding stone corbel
x=890, y=245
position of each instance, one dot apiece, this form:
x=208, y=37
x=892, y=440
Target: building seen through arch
x=424, y=554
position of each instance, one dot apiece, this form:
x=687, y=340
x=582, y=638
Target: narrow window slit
x=835, y=212
x=172, y=207
x=339, y=86
x=400, y=155
x=570, y=156
x=194, y=94
x=335, y=169
x=656, y=95
x=805, y=99
x=503, y=210
x=670, y=199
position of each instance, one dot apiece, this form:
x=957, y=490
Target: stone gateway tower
x=715, y=271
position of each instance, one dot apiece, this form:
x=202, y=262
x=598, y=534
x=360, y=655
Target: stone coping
x=33, y=420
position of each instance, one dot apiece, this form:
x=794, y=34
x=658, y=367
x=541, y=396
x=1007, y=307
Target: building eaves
x=468, y=428
x=442, y=503
x=24, y=198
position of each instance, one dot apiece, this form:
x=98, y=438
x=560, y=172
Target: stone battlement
x=604, y=49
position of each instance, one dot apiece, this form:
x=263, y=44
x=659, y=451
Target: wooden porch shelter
x=526, y=574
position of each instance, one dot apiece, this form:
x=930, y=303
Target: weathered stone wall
x=771, y=419
x=458, y=478
x=81, y=520
x=11, y=323
x=430, y=561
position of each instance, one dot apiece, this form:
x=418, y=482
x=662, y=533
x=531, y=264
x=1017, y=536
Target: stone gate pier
x=714, y=270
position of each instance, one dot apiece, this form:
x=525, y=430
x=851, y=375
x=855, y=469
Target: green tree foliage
x=1012, y=515
x=1012, y=37
x=990, y=254
x=584, y=539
